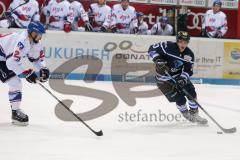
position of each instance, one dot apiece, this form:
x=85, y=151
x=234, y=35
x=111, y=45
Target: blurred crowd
x=121, y=18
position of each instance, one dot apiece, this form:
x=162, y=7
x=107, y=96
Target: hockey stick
x=99, y=133
x=225, y=130
x=8, y=14
x=12, y=10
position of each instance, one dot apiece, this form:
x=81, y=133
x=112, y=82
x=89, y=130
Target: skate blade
x=205, y=123
x=202, y=123
x=17, y=123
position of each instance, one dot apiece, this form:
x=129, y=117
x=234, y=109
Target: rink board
x=118, y=57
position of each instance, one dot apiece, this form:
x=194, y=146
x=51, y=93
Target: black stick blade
x=100, y=133
x=230, y=130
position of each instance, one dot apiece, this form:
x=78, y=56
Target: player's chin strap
x=230, y=130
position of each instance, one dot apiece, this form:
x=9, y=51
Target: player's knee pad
x=168, y=90
x=191, y=90
x=181, y=100
x=172, y=96
x=14, y=84
x=193, y=93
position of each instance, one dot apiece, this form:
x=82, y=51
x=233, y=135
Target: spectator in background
x=20, y=14
x=123, y=18
x=182, y=18
x=100, y=16
x=162, y=27
x=59, y=15
x=215, y=22
x=79, y=12
x=142, y=26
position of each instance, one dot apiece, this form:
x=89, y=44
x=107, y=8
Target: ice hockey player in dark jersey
x=176, y=59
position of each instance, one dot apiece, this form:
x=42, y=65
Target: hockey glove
x=88, y=26
x=160, y=66
x=135, y=30
x=182, y=81
x=31, y=76
x=103, y=29
x=114, y=29
x=67, y=27
x=7, y=14
x=219, y=34
x=44, y=74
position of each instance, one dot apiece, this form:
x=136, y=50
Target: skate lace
x=197, y=117
x=192, y=117
x=21, y=114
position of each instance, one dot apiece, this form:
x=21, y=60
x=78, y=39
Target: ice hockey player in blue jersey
x=176, y=59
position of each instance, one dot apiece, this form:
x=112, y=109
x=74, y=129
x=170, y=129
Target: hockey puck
x=219, y=132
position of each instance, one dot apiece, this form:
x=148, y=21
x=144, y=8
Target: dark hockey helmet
x=139, y=14
x=217, y=3
x=182, y=35
x=163, y=19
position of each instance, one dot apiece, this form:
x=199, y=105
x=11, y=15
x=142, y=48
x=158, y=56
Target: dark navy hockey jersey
x=179, y=64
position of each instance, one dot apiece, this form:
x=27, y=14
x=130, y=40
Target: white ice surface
x=48, y=138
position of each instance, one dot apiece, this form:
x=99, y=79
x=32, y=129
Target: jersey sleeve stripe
x=185, y=75
x=153, y=54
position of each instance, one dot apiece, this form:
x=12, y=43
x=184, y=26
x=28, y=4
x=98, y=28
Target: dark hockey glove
x=44, y=74
x=103, y=29
x=181, y=81
x=7, y=14
x=203, y=32
x=88, y=26
x=135, y=30
x=114, y=29
x=219, y=34
x=161, y=67
x=31, y=76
